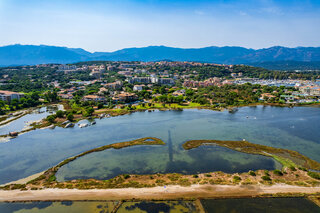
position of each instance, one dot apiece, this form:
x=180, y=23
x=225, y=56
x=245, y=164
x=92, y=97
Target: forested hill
x=31, y=54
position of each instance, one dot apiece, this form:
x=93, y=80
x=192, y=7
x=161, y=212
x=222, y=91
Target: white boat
x=69, y=125
x=83, y=125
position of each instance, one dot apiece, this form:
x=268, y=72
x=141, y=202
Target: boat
x=51, y=126
x=65, y=122
x=93, y=123
x=83, y=125
x=13, y=134
x=69, y=125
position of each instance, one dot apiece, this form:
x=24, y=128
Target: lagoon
x=290, y=128
x=253, y=205
x=24, y=122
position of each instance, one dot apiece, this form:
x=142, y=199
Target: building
x=96, y=71
x=66, y=96
x=9, y=96
x=145, y=80
x=179, y=93
x=125, y=97
x=266, y=96
x=115, y=85
x=166, y=81
x=93, y=98
x=310, y=90
x=138, y=87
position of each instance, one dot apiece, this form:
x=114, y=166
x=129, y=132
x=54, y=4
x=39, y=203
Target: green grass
x=284, y=161
x=169, y=106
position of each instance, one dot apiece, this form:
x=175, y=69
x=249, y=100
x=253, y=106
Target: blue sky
x=103, y=25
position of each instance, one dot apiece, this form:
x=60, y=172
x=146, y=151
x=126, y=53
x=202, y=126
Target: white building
x=138, y=87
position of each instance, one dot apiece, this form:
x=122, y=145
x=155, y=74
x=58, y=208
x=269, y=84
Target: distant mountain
x=31, y=54
x=289, y=65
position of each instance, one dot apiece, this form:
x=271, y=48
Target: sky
x=109, y=25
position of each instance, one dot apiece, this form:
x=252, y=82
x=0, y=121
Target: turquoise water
x=255, y=205
x=290, y=128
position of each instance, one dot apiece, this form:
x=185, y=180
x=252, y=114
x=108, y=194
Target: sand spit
x=168, y=192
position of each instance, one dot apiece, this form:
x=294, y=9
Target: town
x=120, y=84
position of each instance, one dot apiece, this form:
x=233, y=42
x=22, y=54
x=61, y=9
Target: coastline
x=115, y=113
x=24, y=180
x=159, y=193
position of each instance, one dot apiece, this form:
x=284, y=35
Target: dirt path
x=170, y=192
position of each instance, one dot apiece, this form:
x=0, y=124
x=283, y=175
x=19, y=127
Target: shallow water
x=157, y=207
x=22, y=123
x=98, y=207
x=54, y=207
x=159, y=159
x=266, y=205
x=290, y=128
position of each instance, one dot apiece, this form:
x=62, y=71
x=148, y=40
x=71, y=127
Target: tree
x=89, y=111
x=51, y=118
x=60, y=114
x=70, y=117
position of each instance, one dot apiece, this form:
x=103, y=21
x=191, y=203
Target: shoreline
x=159, y=193
x=24, y=180
x=7, y=138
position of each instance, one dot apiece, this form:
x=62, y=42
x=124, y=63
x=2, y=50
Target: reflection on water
x=157, y=207
x=159, y=159
x=255, y=205
x=98, y=207
x=39, y=150
x=54, y=207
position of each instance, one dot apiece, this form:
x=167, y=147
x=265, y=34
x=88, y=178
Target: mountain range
x=31, y=54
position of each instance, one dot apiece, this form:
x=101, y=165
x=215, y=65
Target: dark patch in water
x=12, y=207
x=150, y=207
x=254, y=205
x=67, y=203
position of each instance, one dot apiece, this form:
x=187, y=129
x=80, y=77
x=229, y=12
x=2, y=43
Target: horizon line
x=186, y=48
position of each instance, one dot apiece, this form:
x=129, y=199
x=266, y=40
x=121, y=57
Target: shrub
x=100, y=105
x=52, y=178
x=292, y=168
x=277, y=172
x=70, y=117
x=208, y=175
x=126, y=176
x=60, y=114
x=51, y=118
x=314, y=175
x=195, y=176
x=236, y=178
x=303, y=169
x=266, y=178
x=252, y=173
x=266, y=172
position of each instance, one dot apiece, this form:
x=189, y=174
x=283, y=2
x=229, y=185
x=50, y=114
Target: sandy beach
x=24, y=180
x=168, y=192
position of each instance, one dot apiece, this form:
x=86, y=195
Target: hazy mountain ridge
x=31, y=54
